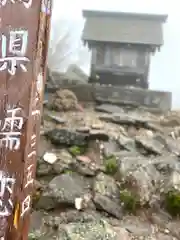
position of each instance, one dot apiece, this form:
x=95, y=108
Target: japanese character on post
x=11, y=130
x=16, y=45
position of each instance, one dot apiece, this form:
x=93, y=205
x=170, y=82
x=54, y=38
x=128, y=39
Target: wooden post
x=24, y=35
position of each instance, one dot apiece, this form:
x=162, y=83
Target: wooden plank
x=23, y=56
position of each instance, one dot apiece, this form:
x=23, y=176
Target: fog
x=164, y=74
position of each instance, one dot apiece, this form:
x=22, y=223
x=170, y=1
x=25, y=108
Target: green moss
x=36, y=195
x=111, y=165
x=68, y=171
x=33, y=236
x=172, y=202
x=76, y=150
x=130, y=201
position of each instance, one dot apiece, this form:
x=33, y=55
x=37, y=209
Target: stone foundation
x=121, y=95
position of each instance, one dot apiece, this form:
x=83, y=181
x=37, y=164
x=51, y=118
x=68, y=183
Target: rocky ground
x=106, y=172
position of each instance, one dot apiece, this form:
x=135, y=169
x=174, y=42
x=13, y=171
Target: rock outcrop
x=63, y=100
x=107, y=172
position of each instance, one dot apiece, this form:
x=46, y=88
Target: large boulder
x=63, y=190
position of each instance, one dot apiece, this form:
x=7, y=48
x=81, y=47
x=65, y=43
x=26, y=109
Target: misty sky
x=164, y=74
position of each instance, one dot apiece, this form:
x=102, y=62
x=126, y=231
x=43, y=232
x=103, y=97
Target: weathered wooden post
x=24, y=38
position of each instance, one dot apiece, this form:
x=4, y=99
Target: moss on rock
x=68, y=171
x=172, y=202
x=111, y=165
x=34, y=235
x=76, y=150
x=36, y=197
x=130, y=200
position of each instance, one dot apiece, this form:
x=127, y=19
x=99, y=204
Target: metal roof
x=123, y=27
